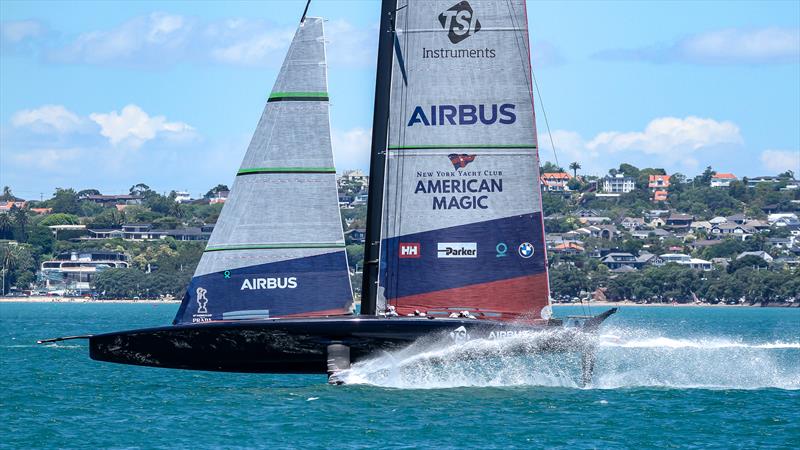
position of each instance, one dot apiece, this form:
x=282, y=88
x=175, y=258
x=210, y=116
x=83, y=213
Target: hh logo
x=409, y=250
x=460, y=22
x=460, y=161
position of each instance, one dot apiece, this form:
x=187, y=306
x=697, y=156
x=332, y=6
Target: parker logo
x=460, y=22
x=410, y=250
x=460, y=161
x=457, y=250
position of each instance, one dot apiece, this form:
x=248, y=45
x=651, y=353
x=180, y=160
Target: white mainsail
x=462, y=220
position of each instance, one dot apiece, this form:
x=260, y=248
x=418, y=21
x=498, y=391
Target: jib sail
x=462, y=219
x=277, y=249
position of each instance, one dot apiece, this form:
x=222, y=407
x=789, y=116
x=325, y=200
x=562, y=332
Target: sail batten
x=461, y=207
x=277, y=249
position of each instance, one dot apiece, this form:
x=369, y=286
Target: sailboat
x=455, y=235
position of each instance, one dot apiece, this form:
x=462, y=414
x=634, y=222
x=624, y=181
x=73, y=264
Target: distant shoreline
x=44, y=299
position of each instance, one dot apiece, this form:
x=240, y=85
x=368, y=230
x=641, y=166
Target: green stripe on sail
x=298, y=96
x=256, y=170
x=220, y=248
x=458, y=146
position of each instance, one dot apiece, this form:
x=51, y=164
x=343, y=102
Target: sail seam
x=258, y=170
x=275, y=246
x=298, y=96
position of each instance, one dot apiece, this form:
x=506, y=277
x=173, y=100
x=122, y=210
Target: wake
x=625, y=358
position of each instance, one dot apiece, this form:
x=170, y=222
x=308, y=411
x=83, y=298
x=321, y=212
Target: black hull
x=298, y=345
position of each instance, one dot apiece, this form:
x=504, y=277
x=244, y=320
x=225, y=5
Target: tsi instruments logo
x=269, y=283
x=457, y=250
x=460, y=22
x=409, y=250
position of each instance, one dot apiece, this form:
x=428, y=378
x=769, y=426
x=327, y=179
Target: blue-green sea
x=665, y=377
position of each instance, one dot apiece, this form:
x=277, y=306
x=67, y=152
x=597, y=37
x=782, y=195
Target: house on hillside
x=633, y=223
x=729, y=229
x=555, y=181
x=686, y=260
x=568, y=248
x=112, y=200
x=658, y=182
x=6, y=206
x=678, y=221
x=759, y=254
x=618, y=184
x=618, y=260
x=722, y=179
x=355, y=236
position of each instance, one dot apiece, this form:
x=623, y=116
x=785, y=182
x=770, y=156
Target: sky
x=105, y=95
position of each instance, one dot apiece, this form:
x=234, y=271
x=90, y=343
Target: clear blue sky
x=105, y=95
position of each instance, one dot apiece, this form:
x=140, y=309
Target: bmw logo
x=526, y=250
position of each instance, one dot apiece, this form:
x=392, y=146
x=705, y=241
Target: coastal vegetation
x=32, y=232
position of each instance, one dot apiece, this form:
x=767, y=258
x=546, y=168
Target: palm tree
x=7, y=195
x=574, y=166
x=21, y=221
x=5, y=226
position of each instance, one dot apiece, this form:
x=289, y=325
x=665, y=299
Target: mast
x=380, y=129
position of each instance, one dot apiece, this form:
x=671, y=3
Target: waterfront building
x=75, y=271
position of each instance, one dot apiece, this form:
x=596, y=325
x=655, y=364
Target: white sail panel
x=462, y=222
x=277, y=249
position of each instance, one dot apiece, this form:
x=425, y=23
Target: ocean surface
x=665, y=377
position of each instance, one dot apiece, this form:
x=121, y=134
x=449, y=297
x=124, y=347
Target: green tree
x=574, y=166
x=20, y=223
x=549, y=167
x=355, y=256
x=41, y=239
x=60, y=219
x=65, y=201
x=6, y=226
x=18, y=264
x=7, y=194
x=82, y=194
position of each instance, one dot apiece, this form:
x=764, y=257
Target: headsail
x=277, y=249
x=462, y=219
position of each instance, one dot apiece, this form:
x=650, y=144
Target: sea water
x=664, y=377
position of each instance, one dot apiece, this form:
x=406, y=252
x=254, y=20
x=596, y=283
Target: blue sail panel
x=315, y=285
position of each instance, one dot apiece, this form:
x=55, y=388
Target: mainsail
x=277, y=249
x=462, y=218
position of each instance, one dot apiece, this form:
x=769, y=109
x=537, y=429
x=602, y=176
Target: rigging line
x=544, y=113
